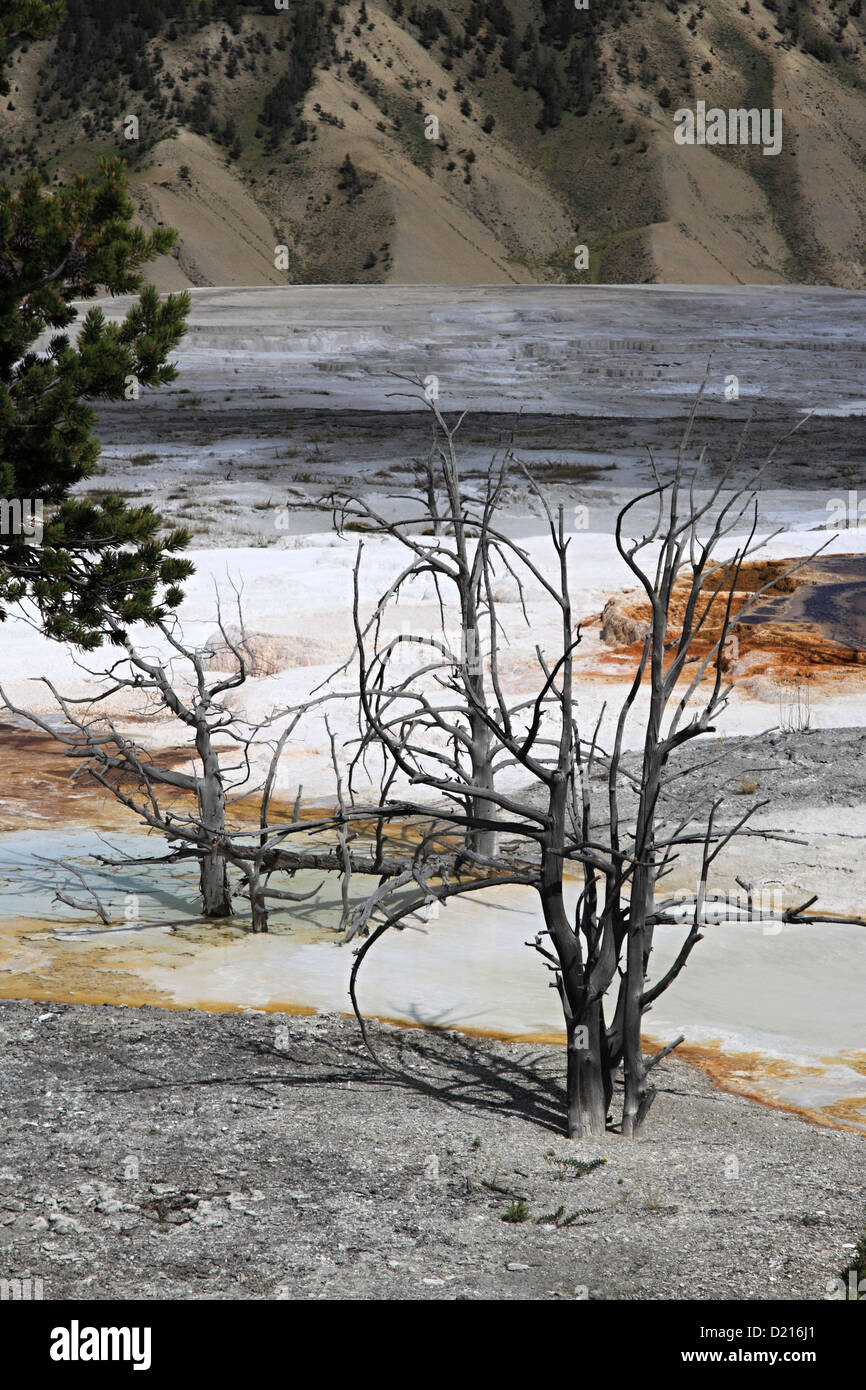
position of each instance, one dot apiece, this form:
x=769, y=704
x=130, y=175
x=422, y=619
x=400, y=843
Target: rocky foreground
x=164, y=1154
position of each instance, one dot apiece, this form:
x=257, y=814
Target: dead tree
x=462, y=574
x=185, y=803
x=181, y=685
x=211, y=797
x=423, y=722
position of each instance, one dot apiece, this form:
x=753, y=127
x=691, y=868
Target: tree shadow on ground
x=473, y=1075
x=462, y=1072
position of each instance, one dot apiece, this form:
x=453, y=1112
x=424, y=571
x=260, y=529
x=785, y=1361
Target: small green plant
x=552, y=1219
x=560, y=1220
x=517, y=1211
x=573, y=1167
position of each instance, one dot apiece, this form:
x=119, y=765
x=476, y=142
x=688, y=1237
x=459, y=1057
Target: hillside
x=305, y=128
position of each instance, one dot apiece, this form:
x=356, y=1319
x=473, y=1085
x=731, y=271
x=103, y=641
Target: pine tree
x=92, y=559
x=551, y=89
x=510, y=53
x=25, y=19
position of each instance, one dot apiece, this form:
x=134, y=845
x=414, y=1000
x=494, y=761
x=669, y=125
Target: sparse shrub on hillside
x=350, y=179
x=500, y=17
x=431, y=22
x=509, y=54
x=550, y=86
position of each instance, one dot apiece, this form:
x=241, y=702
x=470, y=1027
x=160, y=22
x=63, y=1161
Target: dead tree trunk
x=585, y=1100
x=586, y=1093
x=459, y=572
x=258, y=901
x=480, y=839
x=210, y=792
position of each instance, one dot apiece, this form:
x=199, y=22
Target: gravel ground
x=182, y=1155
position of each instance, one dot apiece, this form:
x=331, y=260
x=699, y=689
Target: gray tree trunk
x=587, y=1067
x=258, y=902
x=586, y=1075
x=481, y=841
x=213, y=874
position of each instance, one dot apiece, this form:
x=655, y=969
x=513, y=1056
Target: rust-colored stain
x=65, y=975
x=809, y=626
x=744, y=1072
x=39, y=772
x=855, y=1060
x=850, y=1108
